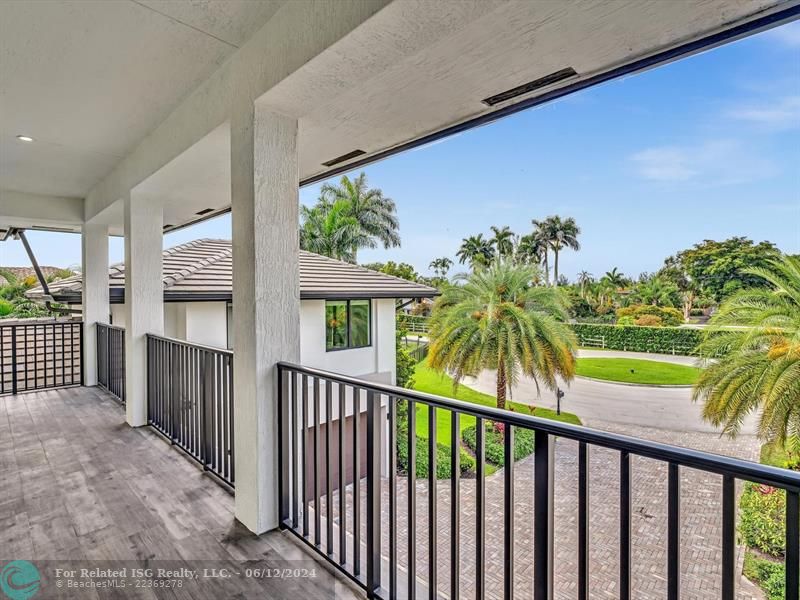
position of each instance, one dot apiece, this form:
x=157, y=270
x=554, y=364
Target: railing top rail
x=36, y=323
x=696, y=459
x=109, y=326
x=190, y=344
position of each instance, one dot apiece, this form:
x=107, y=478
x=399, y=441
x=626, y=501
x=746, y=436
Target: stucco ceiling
x=88, y=80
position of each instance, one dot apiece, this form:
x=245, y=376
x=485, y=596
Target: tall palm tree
x=585, y=279
x=498, y=320
x=503, y=240
x=375, y=214
x=476, y=250
x=541, y=234
x=441, y=266
x=330, y=230
x=616, y=278
x=559, y=234
x=531, y=249
x=755, y=339
x=656, y=291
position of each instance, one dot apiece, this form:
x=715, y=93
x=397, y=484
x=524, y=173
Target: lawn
x=634, y=370
x=431, y=381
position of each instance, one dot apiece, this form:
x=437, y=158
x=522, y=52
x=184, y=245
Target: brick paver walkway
x=701, y=522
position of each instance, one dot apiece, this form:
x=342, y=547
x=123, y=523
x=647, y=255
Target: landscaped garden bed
x=638, y=371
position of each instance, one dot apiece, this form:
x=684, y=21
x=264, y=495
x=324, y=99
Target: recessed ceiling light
x=24, y=138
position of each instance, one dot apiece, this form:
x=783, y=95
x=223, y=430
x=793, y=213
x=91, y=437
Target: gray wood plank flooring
x=79, y=488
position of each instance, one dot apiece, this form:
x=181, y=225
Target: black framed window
x=348, y=324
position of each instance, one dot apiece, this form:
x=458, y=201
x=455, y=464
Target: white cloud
x=715, y=162
x=780, y=114
x=788, y=34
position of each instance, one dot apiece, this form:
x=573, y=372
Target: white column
x=144, y=297
x=266, y=298
x=94, y=267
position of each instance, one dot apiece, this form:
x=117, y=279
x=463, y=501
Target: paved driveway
x=668, y=408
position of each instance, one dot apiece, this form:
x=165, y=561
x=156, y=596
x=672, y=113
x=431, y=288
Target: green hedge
x=768, y=574
x=762, y=522
x=442, y=457
x=494, y=451
x=664, y=340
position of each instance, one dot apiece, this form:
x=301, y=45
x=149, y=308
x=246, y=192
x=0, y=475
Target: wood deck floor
x=81, y=489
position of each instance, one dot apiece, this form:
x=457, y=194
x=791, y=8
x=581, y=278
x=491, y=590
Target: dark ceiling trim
x=757, y=25
x=117, y=296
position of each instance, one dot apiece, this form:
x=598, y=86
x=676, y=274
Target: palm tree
x=755, y=339
x=616, y=278
x=441, y=266
x=498, y=320
x=559, y=234
x=656, y=291
x=541, y=233
x=503, y=240
x=375, y=214
x=476, y=250
x=585, y=279
x=330, y=230
x=531, y=249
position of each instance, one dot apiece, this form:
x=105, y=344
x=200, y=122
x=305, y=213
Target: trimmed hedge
x=442, y=457
x=494, y=450
x=663, y=340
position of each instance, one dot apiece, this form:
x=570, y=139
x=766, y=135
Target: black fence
x=330, y=521
x=40, y=355
x=190, y=401
x=111, y=359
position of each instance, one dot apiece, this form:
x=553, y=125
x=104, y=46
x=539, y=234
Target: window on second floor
x=347, y=324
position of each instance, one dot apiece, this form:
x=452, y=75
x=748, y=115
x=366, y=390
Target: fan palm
x=503, y=240
x=476, y=250
x=755, y=339
x=329, y=229
x=376, y=215
x=498, y=320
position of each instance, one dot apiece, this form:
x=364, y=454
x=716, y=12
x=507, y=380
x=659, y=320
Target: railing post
x=80, y=353
x=13, y=359
x=373, y=495
x=208, y=401
x=543, y=517
x=284, y=454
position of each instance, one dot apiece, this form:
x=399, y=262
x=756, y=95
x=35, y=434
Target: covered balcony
x=285, y=479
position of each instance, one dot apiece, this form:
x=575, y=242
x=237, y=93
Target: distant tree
x=476, y=250
x=376, y=214
x=656, y=291
x=719, y=269
x=754, y=341
x=498, y=320
x=503, y=241
x=401, y=270
x=441, y=266
x=559, y=234
x=616, y=278
x=330, y=230
x=585, y=279
x=541, y=238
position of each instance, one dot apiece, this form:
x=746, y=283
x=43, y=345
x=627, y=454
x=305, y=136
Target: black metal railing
x=313, y=441
x=111, y=359
x=40, y=355
x=190, y=400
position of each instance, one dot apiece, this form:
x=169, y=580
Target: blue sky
x=706, y=147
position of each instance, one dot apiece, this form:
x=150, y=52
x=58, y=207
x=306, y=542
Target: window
x=347, y=324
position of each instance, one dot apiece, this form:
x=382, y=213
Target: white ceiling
x=88, y=80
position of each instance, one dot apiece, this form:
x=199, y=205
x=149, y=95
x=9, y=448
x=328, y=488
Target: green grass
x=634, y=370
x=432, y=382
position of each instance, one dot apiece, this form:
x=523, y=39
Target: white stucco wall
x=206, y=323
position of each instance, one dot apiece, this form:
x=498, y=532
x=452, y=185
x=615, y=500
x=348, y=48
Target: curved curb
x=647, y=385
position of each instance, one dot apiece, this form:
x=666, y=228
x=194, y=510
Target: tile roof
x=203, y=269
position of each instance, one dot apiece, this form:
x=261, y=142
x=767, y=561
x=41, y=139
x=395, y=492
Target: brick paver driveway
x=700, y=517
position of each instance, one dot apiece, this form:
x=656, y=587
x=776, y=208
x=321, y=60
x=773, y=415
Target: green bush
x=405, y=364
x=768, y=574
x=442, y=456
x=6, y=308
x=762, y=518
x=666, y=340
x=494, y=450
x=670, y=317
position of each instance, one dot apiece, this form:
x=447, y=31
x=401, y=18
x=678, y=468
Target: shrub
x=770, y=575
x=670, y=317
x=405, y=362
x=6, y=308
x=669, y=340
x=763, y=513
x=442, y=456
x=649, y=321
x=494, y=450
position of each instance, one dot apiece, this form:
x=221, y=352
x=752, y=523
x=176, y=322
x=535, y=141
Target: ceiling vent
x=205, y=211
x=167, y=226
x=343, y=158
x=526, y=88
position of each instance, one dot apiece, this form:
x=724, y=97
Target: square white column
x=144, y=297
x=266, y=298
x=94, y=267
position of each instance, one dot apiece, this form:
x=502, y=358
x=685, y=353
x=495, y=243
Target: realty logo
x=20, y=580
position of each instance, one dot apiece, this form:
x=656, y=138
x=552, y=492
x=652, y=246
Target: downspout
x=48, y=299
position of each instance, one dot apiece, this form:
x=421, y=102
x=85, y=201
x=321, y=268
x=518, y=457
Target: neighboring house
x=347, y=312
